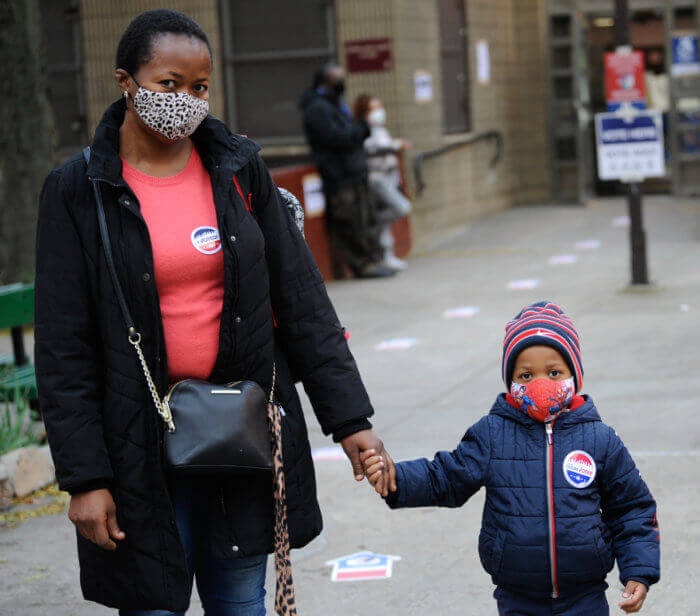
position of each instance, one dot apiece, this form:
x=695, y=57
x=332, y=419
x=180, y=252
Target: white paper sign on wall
x=423, y=86
x=483, y=61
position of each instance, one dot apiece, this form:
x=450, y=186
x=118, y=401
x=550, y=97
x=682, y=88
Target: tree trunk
x=26, y=135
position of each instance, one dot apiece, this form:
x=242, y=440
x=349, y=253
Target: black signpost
x=638, y=244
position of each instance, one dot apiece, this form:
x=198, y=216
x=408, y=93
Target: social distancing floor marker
x=588, y=245
x=396, y=344
x=563, y=259
x=527, y=283
x=463, y=312
x=660, y=453
x=362, y=567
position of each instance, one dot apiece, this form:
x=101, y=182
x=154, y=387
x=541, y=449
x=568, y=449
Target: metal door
x=684, y=85
x=584, y=115
x=570, y=103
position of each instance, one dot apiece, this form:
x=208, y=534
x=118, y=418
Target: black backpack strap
x=107, y=246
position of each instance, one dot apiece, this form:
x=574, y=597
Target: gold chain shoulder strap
x=162, y=408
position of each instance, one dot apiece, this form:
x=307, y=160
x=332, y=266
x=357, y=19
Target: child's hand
x=633, y=596
x=383, y=479
x=373, y=466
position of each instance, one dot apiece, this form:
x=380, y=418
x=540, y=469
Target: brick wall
x=531, y=139
x=459, y=186
x=102, y=24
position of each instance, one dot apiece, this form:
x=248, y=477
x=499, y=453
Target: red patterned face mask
x=543, y=399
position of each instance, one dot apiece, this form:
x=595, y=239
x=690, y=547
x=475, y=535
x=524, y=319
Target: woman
x=205, y=254
x=384, y=172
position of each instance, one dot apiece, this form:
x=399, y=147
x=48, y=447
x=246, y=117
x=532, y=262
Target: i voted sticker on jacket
x=579, y=468
x=206, y=240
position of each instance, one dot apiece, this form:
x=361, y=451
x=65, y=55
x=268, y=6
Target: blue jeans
x=226, y=587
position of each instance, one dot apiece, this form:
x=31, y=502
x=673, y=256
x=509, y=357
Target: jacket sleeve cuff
x=393, y=500
x=87, y=486
x=350, y=428
x=638, y=578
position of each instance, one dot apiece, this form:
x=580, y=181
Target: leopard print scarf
x=285, y=601
x=175, y=115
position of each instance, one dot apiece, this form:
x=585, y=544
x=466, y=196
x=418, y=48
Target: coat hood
x=216, y=144
x=308, y=96
x=313, y=95
x=584, y=413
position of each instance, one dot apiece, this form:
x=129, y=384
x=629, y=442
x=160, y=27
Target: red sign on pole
x=367, y=55
x=624, y=77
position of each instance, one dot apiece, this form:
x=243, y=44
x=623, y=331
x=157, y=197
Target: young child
x=563, y=496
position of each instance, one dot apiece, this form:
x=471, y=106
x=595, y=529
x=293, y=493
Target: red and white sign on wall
x=624, y=77
x=368, y=55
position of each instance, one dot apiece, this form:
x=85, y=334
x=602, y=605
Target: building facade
x=579, y=34
x=447, y=71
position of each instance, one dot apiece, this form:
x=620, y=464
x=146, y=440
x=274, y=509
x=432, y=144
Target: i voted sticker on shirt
x=579, y=469
x=206, y=240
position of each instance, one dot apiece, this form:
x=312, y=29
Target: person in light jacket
x=384, y=172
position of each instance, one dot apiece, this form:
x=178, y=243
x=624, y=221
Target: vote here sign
x=630, y=145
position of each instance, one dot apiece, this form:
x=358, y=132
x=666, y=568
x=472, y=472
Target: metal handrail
x=379, y=152
x=418, y=159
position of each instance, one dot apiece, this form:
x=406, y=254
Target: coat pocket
x=604, y=550
x=491, y=551
x=584, y=563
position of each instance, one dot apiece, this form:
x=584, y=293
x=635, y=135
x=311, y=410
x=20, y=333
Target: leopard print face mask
x=175, y=115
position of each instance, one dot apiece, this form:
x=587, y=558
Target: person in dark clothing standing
x=336, y=145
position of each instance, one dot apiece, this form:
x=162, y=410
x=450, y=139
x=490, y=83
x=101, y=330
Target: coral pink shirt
x=189, y=267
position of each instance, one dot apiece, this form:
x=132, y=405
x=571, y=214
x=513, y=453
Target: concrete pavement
x=640, y=354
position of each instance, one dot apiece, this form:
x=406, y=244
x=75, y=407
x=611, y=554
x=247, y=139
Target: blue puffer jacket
x=547, y=529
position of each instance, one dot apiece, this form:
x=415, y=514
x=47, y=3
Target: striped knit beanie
x=542, y=323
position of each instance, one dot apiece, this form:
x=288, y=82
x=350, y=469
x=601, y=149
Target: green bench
x=16, y=372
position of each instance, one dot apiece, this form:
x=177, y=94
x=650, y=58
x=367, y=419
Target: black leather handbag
x=210, y=428
x=217, y=428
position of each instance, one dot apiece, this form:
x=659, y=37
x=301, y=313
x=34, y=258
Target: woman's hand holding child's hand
x=633, y=596
x=380, y=474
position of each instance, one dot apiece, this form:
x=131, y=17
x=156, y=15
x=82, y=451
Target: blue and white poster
x=630, y=146
x=684, y=54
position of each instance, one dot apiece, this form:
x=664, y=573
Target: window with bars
x=61, y=34
x=270, y=57
x=454, y=66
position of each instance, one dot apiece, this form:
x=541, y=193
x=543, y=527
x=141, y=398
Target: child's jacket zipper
x=550, y=510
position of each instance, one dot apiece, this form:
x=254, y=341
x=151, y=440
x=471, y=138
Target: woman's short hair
x=361, y=105
x=134, y=48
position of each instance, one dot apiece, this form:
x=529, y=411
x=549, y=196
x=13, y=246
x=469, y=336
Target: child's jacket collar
x=582, y=410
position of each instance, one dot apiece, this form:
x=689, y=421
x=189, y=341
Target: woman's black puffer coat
x=101, y=423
